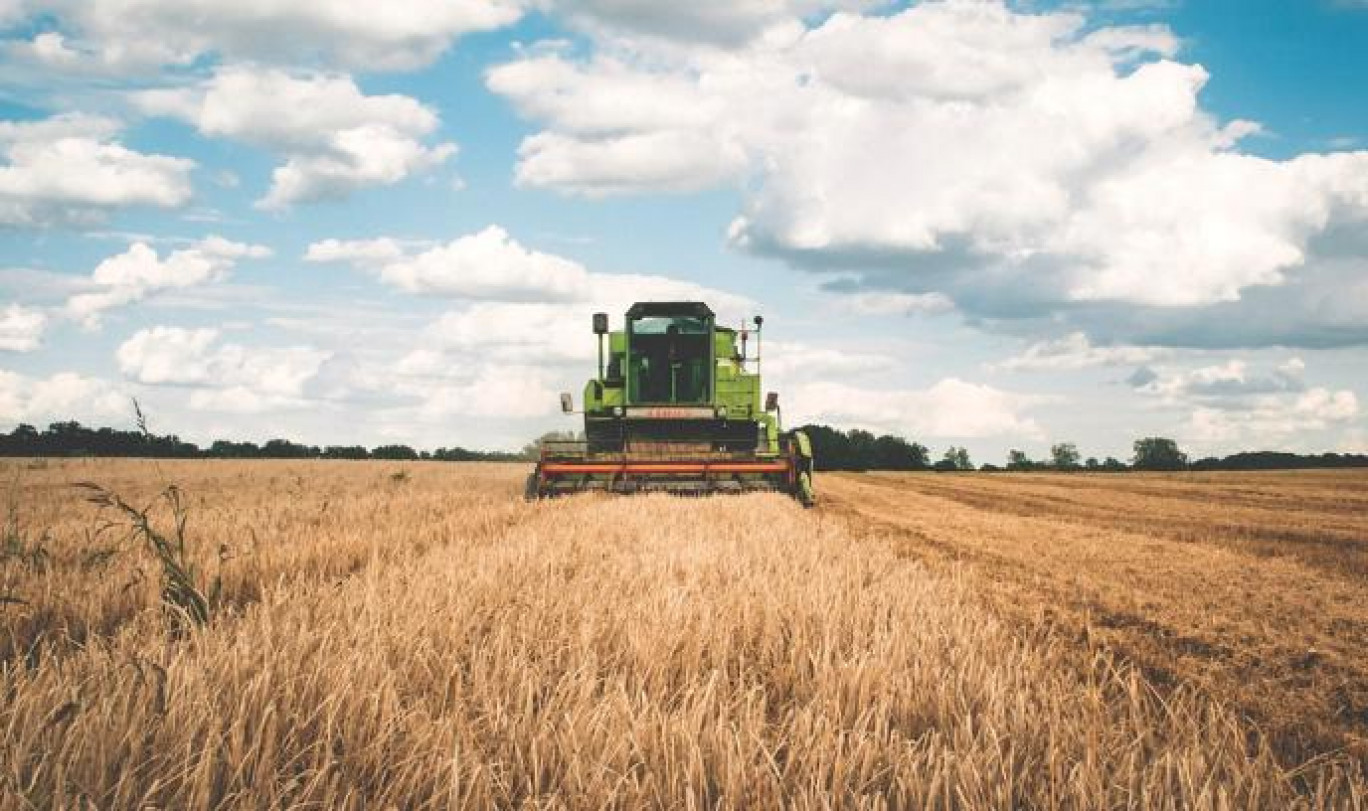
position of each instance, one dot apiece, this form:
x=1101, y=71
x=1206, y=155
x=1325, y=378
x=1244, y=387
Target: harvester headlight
x=617, y=411
x=722, y=412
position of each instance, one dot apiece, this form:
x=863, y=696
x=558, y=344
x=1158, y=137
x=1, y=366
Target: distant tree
x=1018, y=460
x=70, y=438
x=394, y=452
x=861, y=448
x=24, y=440
x=285, y=449
x=532, y=450
x=1281, y=460
x=1092, y=463
x=958, y=459
x=455, y=455
x=1158, y=453
x=896, y=453
x=1064, y=456
x=988, y=467
x=225, y=449
x=463, y=455
x=1112, y=464
x=857, y=449
x=345, y=452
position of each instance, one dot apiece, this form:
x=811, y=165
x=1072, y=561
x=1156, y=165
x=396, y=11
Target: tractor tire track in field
x=1280, y=640
x=1330, y=533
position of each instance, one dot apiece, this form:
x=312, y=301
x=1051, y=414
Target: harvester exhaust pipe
x=759, y=321
x=600, y=329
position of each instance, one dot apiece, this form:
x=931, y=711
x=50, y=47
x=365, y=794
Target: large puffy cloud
x=1074, y=351
x=617, y=129
x=122, y=36
x=1272, y=421
x=795, y=361
x=490, y=265
x=1239, y=405
x=890, y=303
x=486, y=265
x=1324, y=304
x=139, y=272
x=950, y=409
x=1019, y=164
x=491, y=391
x=716, y=22
x=71, y=169
x=225, y=376
x=334, y=138
x=61, y=396
x=21, y=328
x=1231, y=382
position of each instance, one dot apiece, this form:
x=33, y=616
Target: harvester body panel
x=675, y=408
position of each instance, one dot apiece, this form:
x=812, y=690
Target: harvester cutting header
x=676, y=408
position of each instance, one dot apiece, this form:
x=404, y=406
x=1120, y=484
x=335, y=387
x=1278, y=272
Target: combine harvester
x=676, y=410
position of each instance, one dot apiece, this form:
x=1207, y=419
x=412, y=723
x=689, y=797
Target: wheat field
x=385, y=635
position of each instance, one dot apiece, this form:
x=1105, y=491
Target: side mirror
x=600, y=323
x=567, y=404
x=772, y=401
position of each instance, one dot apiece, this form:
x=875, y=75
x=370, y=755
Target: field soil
x=414, y=635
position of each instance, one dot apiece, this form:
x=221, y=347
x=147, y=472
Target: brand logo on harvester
x=670, y=413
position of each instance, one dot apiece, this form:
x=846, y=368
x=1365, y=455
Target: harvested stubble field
x=415, y=636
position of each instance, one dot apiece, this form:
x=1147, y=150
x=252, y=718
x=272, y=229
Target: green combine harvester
x=677, y=409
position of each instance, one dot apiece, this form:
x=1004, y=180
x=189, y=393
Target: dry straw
x=441, y=644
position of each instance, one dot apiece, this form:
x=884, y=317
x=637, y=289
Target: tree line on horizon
x=858, y=449
x=833, y=449
x=73, y=439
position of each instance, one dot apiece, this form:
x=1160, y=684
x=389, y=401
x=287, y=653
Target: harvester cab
x=676, y=407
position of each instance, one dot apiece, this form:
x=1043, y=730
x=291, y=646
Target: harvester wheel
x=530, y=490
x=805, y=494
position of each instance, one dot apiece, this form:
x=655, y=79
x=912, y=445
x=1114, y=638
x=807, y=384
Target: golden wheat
x=429, y=641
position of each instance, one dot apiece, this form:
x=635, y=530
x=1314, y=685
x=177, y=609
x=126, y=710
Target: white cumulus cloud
x=334, y=138
x=889, y=303
x=21, y=328
x=958, y=146
x=490, y=265
x=715, y=22
x=1075, y=351
x=139, y=272
x=1239, y=405
x=486, y=265
x=130, y=36
x=949, y=409
x=72, y=170
x=1232, y=382
x=509, y=392
x=225, y=376
x=1273, y=422
x=61, y=396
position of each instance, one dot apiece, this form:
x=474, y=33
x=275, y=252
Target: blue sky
x=971, y=223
